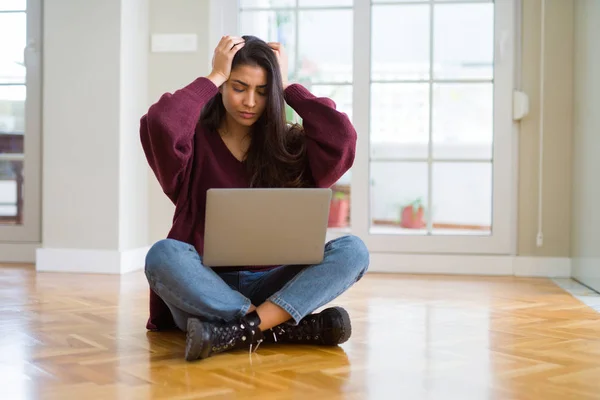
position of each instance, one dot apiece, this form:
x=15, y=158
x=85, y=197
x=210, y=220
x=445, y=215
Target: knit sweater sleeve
x=167, y=132
x=331, y=137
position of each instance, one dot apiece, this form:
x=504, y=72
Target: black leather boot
x=330, y=327
x=205, y=339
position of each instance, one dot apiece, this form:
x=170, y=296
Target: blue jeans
x=176, y=274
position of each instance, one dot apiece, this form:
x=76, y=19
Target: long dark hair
x=277, y=153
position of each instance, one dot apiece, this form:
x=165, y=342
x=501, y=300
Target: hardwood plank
x=68, y=336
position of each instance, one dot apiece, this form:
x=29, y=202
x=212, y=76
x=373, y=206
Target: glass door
x=20, y=112
x=428, y=85
x=436, y=164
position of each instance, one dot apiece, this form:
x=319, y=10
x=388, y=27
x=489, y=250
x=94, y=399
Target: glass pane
x=13, y=5
x=273, y=26
x=12, y=125
x=339, y=210
x=339, y=213
x=400, y=42
x=397, y=1
x=340, y=94
x=399, y=120
x=463, y=121
x=464, y=41
x=462, y=198
x=267, y=3
x=399, y=197
x=13, y=26
x=11, y=189
x=325, y=3
x=325, y=46
x=12, y=110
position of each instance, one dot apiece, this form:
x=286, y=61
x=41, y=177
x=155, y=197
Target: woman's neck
x=233, y=129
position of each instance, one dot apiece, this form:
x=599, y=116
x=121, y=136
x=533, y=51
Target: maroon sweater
x=187, y=159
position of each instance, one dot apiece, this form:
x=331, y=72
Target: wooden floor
x=415, y=337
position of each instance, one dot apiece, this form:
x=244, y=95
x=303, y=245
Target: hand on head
x=282, y=59
x=226, y=50
x=222, y=58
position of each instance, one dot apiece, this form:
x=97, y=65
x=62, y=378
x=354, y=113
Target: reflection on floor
x=414, y=337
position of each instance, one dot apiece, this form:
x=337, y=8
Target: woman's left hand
x=283, y=61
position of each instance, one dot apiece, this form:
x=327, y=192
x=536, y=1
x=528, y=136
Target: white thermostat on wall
x=174, y=43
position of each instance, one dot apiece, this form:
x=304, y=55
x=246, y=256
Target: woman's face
x=245, y=94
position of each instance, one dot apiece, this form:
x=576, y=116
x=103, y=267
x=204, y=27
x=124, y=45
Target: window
x=428, y=85
x=19, y=120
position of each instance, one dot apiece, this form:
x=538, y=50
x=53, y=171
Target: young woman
x=228, y=130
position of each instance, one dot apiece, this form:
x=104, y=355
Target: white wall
x=586, y=160
x=133, y=189
x=169, y=72
x=558, y=128
x=95, y=181
x=81, y=124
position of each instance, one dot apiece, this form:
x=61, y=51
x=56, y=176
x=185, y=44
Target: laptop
x=258, y=227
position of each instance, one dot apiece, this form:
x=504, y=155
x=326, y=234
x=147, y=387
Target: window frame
x=30, y=229
x=504, y=168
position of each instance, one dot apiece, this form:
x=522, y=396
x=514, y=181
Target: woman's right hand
x=222, y=58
